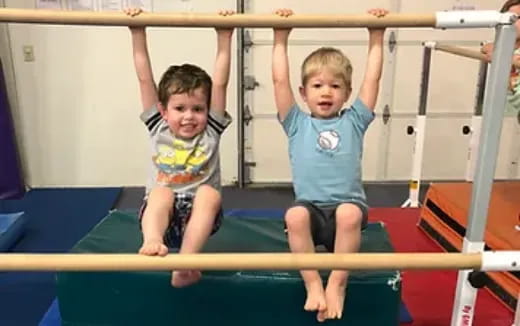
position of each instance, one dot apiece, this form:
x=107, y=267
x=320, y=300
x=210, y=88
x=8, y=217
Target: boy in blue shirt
x=325, y=151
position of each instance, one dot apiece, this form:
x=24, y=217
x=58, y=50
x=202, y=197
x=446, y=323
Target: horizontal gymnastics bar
x=209, y=20
x=506, y=260
x=460, y=51
x=460, y=19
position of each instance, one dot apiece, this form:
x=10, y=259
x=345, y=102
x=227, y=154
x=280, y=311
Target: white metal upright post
x=493, y=112
x=476, y=121
x=419, y=131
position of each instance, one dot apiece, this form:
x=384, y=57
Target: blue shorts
x=182, y=205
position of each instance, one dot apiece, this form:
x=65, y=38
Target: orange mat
x=444, y=217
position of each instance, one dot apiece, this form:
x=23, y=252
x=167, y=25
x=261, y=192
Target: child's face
x=325, y=94
x=186, y=114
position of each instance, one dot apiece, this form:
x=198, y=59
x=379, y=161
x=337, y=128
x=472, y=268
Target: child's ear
x=162, y=110
x=302, y=93
x=348, y=92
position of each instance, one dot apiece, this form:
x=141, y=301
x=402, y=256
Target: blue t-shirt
x=326, y=155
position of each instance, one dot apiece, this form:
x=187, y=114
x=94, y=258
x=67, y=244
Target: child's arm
x=142, y=64
x=374, y=66
x=283, y=95
x=222, y=66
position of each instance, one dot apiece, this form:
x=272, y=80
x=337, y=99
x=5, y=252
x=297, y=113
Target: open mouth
x=188, y=127
x=325, y=105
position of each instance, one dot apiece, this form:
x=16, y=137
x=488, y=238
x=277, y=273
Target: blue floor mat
x=56, y=220
x=53, y=318
x=12, y=227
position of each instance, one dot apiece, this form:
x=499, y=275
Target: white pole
x=476, y=122
x=494, y=102
x=419, y=130
x=415, y=182
x=464, y=301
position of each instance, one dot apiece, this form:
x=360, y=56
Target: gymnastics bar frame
x=476, y=119
x=495, y=96
x=419, y=129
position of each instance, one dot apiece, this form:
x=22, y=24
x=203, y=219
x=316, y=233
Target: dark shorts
x=182, y=205
x=323, y=222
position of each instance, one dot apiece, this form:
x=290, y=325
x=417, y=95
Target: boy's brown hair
x=329, y=58
x=508, y=4
x=185, y=78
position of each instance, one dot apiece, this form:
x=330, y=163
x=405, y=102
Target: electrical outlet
x=28, y=53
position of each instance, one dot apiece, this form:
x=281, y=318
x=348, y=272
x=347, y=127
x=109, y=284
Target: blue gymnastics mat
x=56, y=219
x=53, y=318
x=12, y=227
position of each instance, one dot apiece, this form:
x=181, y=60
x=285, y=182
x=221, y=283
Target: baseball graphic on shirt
x=328, y=139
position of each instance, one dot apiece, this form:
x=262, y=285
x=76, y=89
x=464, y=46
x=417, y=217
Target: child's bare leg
x=155, y=220
x=206, y=205
x=298, y=224
x=348, y=239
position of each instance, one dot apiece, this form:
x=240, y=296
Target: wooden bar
x=461, y=52
x=59, y=17
x=239, y=261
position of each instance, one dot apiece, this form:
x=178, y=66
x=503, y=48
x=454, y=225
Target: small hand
x=513, y=80
x=225, y=31
x=379, y=13
x=283, y=12
x=132, y=12
x=487, y=50
x=226, y=12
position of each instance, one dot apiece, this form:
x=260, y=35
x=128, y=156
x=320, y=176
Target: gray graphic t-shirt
x=184, y=164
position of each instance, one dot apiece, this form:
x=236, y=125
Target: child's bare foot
x=335, y=297
x=185, y=278
x=315, y=297
x=153, y=248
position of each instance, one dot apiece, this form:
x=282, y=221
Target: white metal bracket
x=468, y=19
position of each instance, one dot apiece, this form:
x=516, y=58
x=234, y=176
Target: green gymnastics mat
x=230, y=298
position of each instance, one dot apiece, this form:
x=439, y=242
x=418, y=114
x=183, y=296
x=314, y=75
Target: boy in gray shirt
x=185, y=116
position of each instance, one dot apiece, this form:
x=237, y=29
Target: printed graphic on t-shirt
x=179, y=164
x=328, y=141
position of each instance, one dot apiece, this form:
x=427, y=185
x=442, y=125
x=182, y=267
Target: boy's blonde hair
x=329, y=58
